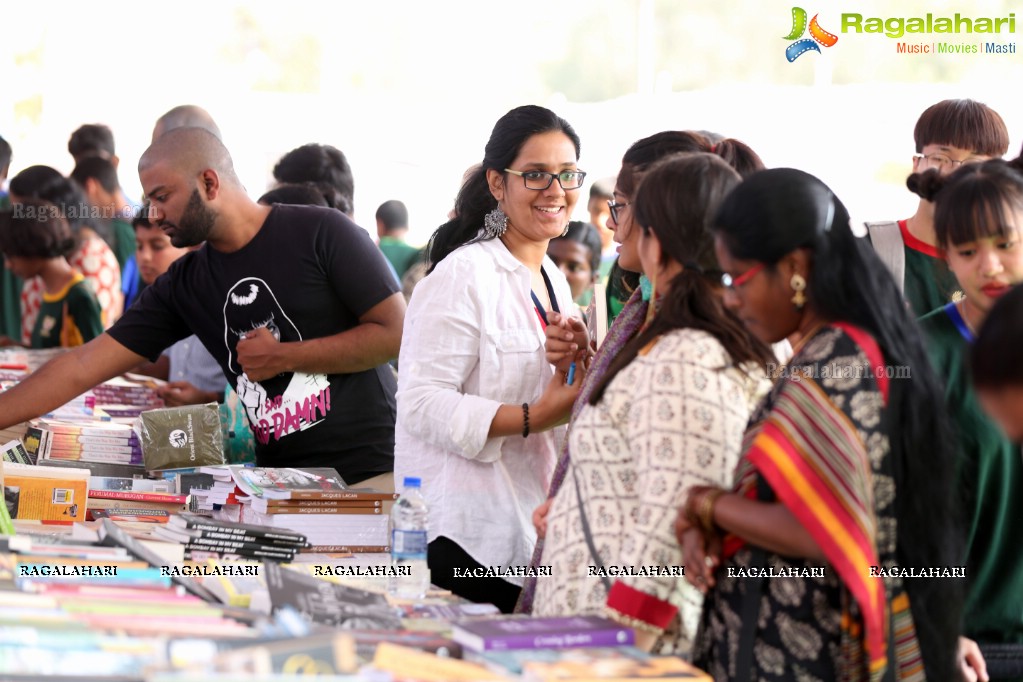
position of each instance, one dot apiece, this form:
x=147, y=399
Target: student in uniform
x=36, y=242
x=978, y=222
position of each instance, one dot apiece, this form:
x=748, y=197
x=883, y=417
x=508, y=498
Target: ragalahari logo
x=817, y=35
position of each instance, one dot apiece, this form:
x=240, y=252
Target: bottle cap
x=412, y=482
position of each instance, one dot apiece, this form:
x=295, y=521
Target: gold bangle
x=705, y=509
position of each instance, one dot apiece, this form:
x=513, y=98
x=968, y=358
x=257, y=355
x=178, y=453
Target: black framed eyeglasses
x=946, y=163
x=541, y=180
x=616, y=206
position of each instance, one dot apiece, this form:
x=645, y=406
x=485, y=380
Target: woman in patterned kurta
x=846, y=468
x=638, y=159
x=669, y=414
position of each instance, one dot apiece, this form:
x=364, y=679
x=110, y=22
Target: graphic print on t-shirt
x=288, y=402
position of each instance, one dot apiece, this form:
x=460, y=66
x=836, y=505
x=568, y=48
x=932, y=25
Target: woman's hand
x=567, y=341
x=971, y=661
x=701, y=551
x=540, y=519
x=554, y=407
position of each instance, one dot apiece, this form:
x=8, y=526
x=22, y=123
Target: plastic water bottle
x=408, y=542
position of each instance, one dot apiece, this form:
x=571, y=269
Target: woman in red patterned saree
x=845, y=478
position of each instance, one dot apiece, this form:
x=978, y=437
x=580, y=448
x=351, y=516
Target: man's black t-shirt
x=308, y=273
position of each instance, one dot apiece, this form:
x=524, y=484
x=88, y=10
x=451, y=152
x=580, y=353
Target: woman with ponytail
x=845, y=478
x=479, y=407
x=668, y=413
x=978, y=221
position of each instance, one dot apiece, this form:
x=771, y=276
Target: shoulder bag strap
x=886, y=238
x=587, y=535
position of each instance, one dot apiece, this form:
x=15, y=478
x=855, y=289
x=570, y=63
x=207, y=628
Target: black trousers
x=444, y=556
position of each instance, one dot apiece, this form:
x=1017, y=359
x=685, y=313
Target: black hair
x=474, y=200
x=324, y=165
x=141, y=217
x=603, y=188
x=6, y=154
x=971, y=203
x=92, y=139
x=587, y=235
x=99, y=169
x=677, y=201
x=34, y=228
x=643, y=153
x=44, y=182
x=393, y=214
x=300, y=193
x=773, y=213
x=995, y=354
x=962, y=123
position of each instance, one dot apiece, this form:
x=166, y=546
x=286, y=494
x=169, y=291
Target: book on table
x=512, y=632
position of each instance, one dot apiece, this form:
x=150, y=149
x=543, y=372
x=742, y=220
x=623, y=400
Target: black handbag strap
x=750, y=614
x=587, y=535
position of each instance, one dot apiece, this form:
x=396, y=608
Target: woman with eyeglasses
x=668, y=414
x=567, y=341
x=845, y=477
x=478, y=404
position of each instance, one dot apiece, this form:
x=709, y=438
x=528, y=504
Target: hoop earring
x=495, y=224
x=565, y=231
x=798, y=284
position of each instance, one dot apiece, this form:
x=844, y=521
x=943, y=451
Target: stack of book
x=86, y=441
x=125, y=397
x=204, y=537
x=317, y=503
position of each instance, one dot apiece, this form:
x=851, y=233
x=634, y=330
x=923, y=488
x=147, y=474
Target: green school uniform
x=929, y=284
x=68, y=318
x=990, y=478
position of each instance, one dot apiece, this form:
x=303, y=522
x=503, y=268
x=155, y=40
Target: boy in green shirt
x=36, y=241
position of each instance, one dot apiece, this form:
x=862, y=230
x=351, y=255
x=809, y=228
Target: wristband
x=525, y=420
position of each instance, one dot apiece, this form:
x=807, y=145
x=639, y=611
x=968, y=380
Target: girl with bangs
x=978, y=222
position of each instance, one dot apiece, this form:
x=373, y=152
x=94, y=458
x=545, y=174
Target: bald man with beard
x=296, y=304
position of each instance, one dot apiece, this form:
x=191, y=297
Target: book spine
x=368, y=511
x=233, y=537
x=340, y=495
x=139, y=497
x=203, y=543
x=559, y=640
x=240, y=551
x=349, y=549
x=350, y=504
x=213, y=526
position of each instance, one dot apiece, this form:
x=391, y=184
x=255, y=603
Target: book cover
x=176, y=437
x=14, y=451
x=326, y=654
x=111, y=535
x=32, y=492
x=194, y=521
x=326, y=602
x=405, y=663
x=542, y=633
x=608, y=664
x=130, y=514
x=314, y=483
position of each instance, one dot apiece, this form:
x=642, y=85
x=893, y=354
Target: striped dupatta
x=813, y=456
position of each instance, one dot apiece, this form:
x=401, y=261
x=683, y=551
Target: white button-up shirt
x=472, y=341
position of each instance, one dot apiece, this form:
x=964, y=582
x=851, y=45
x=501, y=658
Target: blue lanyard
x=952, y=310
x=541, y=313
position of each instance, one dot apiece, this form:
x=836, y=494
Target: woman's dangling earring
x=798, y=284
x=495, y=223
